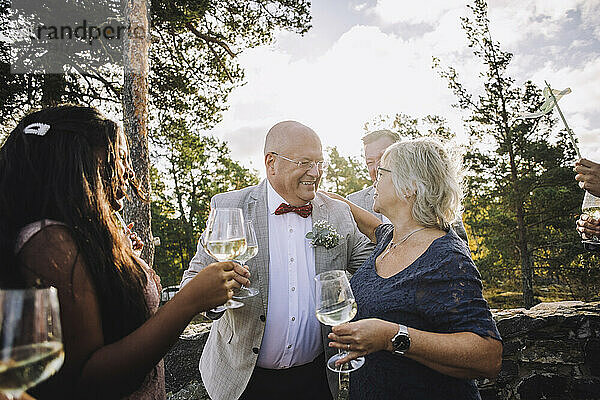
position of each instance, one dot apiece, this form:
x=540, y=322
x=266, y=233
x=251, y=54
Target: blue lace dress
x=439, y=292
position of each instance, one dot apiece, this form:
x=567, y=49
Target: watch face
x=401, y=343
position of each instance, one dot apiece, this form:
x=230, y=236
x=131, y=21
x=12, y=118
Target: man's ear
x=270, y=163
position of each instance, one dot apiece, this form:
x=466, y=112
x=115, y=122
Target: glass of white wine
x=335, y=305
x=251, y=251
x=225, y=240
x=591, y=208
x=31, y=348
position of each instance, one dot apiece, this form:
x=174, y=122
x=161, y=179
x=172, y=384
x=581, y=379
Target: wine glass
x=335, y=305
x=31, y=348
x=591, y=207
x=224, y=239
x=251, y=251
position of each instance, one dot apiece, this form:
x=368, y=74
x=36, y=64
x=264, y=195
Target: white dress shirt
x=292, y=332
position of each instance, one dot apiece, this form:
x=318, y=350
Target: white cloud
x=365, y=73
x=369, y=71
x=581, y=107
x=394, y=11
x=359, y=7
x=516, y=21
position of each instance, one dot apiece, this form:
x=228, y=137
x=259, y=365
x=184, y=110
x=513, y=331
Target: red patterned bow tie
x=303, y=211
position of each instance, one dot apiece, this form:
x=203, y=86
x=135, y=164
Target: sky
x=364, y=58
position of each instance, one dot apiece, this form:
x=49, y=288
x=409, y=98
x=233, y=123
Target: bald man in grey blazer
x=273, y=347
x=375, y=143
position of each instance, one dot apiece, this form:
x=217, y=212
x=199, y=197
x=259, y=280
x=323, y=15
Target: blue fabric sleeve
x=450, y=295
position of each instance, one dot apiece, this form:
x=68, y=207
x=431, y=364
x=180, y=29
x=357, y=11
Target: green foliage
x=188, y=171
x=193, y=69
x=521, y=198
x=411, y=128
x=193, y=60
x=344, y=175
x=194, y=49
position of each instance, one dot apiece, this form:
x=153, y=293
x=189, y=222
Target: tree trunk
x=187, y=226
x=526, y=267
x=53, y=89
x=523, y=245
x=135, y=117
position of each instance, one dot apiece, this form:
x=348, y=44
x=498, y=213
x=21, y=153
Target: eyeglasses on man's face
x=305, y=165
x=379, y=170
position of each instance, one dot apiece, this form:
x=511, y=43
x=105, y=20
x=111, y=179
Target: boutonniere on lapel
x=323, y=234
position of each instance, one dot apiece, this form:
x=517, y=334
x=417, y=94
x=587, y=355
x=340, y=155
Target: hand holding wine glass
x=224, y=240
x=588, y=175
x=31, y=348
x=335, y=305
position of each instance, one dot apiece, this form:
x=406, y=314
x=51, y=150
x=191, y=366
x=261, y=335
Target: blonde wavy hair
x=424, y=168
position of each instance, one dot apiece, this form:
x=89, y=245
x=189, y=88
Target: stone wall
x=551, y=352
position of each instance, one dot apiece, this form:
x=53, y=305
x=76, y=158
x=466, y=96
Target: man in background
x=375, y=143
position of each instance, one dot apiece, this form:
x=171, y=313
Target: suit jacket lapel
x=322, y=256
x=258, y=212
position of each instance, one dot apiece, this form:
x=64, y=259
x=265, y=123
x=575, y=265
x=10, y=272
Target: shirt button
x=255, y=350
x=289, y=346
x=262, y=318
x=293, y=288
x=292, y=259
x=291, y=230
x=293, y=318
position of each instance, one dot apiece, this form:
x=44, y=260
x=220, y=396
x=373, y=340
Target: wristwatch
x=401, y=342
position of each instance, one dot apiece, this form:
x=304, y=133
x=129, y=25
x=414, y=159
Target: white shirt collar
x=274, y=199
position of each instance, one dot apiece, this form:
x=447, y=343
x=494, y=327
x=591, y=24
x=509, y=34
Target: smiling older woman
x=422, y=322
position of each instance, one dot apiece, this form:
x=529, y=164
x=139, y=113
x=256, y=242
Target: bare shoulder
x=51, y=253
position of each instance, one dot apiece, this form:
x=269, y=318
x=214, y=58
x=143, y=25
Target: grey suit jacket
x=231, y=351
x=365, y=199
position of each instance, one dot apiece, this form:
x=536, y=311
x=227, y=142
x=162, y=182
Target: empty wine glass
x=251, y=251
x=225, y=239
x=335, y=305
x=31, y=348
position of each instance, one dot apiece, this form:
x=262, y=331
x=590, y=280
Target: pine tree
x=521, y=196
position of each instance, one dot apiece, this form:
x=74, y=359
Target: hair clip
x=37, y=128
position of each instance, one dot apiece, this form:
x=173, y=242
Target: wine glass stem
x=343, y=379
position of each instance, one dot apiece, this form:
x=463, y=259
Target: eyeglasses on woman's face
x=304, y=165
x=380, y=170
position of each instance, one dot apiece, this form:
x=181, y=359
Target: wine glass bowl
x=335, y=305
x=225, y=239
x=31, y=348
x=251, y=251
x=591, y=208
